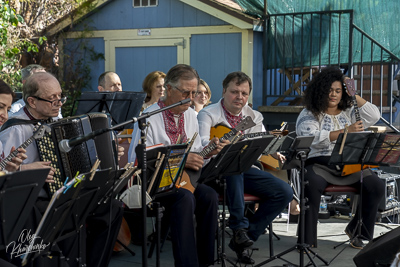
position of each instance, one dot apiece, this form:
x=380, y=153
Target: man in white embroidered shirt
x=274, y=193
x=190, y=248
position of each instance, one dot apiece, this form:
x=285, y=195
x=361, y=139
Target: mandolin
x=184, y=177
x=39, y=132
x=351, y=89
x=225, y=133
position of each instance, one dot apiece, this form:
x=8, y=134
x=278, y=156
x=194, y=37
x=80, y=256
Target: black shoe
x=355, y=242
x=241, y=253
x=241, y=239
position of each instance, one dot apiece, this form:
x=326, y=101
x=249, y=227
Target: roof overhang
x=72, y=18
x=223, y=12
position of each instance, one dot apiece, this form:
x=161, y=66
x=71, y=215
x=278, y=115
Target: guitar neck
x=252, y=135
x=356, y=109
x=13, y=154
x=211, y=147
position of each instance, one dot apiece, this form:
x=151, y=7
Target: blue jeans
x=274, y=193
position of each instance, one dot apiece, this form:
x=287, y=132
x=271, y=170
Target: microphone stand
x=142, y=125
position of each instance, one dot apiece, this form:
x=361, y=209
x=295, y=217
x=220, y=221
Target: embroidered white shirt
x=308, y=125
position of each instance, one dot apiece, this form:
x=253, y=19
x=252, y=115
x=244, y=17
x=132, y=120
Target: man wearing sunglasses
x=274, y=193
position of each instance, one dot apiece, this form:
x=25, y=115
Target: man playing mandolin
x=274, y=193
x=190, y=248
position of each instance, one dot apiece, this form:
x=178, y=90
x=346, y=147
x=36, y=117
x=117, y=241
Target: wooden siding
x=257, y=70
x=134, y=63
x=180, y=33
x=120, y=14
x=214, y=56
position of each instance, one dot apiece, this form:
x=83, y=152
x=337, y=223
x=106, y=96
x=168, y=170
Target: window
x=145, y=3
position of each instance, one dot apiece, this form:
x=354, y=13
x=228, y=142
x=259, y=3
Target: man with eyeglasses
x=274, y=193
x=43, y=97
x=193, y=244
x=25, y=74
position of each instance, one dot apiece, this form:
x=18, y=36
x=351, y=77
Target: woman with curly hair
x=328, y=110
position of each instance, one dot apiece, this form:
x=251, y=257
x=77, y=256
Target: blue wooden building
x=140, y=36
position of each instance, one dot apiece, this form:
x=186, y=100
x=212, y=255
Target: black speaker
x=381, y=251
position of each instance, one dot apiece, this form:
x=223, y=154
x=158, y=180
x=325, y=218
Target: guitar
x=351, y=89
x=244, y=124
x=39, y=132
x=219, y=130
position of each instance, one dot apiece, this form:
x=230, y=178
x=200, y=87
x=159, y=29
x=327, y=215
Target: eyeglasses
x=54, y=103
x=185, y=93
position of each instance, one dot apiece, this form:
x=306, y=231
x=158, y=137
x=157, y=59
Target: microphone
x=66, y=145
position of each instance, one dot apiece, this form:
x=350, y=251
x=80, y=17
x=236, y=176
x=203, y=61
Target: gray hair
x=33, y=83
x=28, y=70
x=180, y=71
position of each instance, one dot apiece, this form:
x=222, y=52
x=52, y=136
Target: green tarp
x=378, y=19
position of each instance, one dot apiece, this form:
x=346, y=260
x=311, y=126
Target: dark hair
x=6, y=89
x=102, y=78
x=148, y=82
x=316, y=98
x=237, y=76
x=180, y=71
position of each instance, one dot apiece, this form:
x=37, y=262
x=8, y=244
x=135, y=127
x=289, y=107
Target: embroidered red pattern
x=232, y=119
x=170, y=126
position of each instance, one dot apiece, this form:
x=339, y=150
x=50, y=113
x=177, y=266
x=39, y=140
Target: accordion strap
x=13, y=122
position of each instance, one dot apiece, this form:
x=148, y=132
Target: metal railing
x=298, y=45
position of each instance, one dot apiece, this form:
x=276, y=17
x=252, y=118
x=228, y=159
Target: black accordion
x=81, y=157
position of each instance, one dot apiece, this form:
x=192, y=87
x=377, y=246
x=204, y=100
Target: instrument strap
x=13, y=122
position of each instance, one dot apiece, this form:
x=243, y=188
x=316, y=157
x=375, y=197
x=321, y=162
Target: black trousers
x=192, y=245
x=373, y=190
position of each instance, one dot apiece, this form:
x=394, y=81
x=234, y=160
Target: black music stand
x=365, y=148
x=173, y=159
x=122, y=106
x=162, y=182
x=18, y=194
x=53, y=221
x=296, y=157
x=231, y=160
x=67, y=212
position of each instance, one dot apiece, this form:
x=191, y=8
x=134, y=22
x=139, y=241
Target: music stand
x=164, y=180
x=231, y=160
x=122, y=106
x=18, y=194
x=365, y=148
x=52, y=222
x=297, y=155
x=162, y=166
x=68, y=210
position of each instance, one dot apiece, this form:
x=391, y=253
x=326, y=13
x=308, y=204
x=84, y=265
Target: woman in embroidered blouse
x=153, y=86
x=6, y=97
x=328, y=110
